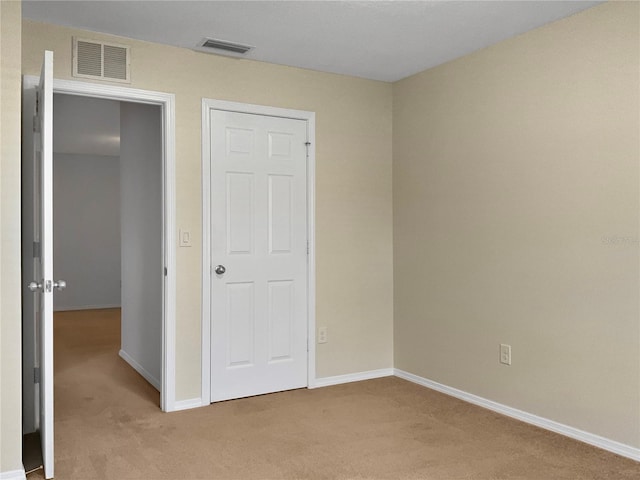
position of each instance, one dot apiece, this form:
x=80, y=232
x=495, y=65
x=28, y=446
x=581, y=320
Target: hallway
x=96, y=394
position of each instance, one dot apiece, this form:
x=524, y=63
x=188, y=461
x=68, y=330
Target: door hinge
x=307, y=247
x=36, y=250
x=37, y=101
x=165, y=271
x=36, y=375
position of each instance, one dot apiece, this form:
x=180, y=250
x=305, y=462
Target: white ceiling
x=380, y=40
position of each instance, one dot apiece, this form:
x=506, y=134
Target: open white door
x=43, y=284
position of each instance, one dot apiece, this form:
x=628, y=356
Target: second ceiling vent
x=223, y=47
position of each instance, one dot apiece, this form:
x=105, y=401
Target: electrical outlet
x=322, y=335
x=505, y=354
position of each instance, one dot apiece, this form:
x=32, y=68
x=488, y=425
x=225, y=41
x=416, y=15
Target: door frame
x=167, y=103
x=237, y=107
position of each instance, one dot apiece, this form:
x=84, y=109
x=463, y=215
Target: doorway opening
x=107, y=235
x=107, y=208
x=129, y=295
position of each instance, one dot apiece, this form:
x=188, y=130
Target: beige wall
x=514, y=169
x=353, y=177
x=10, y=324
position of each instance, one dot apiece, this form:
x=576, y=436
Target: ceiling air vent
x=223, y=47
x=102, y=61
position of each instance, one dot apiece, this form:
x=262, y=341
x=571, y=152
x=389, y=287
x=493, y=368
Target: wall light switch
x=322, y=335
x=185, y=238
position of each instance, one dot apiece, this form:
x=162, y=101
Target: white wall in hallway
x=141, y=230
x=86, y=125
x=86, y=201
x=86, y=209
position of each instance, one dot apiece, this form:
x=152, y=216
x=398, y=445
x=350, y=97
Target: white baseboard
x=319, y=382
x=187, y=404
x=577, y=434
x=140, y=369
x=13, y=475
x=351, y=377
x=86, y=307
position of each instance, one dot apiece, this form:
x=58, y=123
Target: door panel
x=281, y=316
x=280, y=213
x=43, y=284
x=259, y=234
x=240, y=218
x=240, y=324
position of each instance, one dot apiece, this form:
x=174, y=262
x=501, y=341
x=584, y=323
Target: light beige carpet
x=109, y=426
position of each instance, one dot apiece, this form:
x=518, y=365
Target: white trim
x=86, y=307
x=167, y=102
x=575, y=433
x=353, y=377
x=188, y=404
x=13, y=475
x=310, y=117
x=140, y=369
x=311, y=265
x=205, y=321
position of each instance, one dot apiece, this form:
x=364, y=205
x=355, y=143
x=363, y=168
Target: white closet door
x=259, y=248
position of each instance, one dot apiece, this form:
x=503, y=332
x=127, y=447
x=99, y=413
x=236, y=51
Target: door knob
x=220, y=269
x=34, y=286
